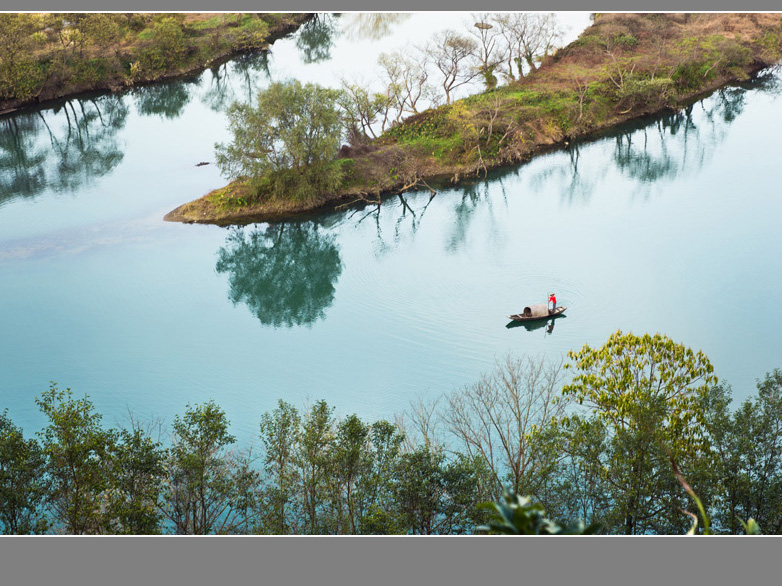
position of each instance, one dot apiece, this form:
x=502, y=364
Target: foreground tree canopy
x=653, y=437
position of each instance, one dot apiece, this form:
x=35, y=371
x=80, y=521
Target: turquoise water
x=669, y=225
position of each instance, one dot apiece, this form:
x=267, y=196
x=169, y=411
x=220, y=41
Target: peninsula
x=621, y=67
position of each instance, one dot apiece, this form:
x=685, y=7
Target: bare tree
x=424, y=426
x=504, y=418
x=530, y=36
x=488, y=54
x=361, y=107
x=451, y=54
x=406, y=80
x=581, y=86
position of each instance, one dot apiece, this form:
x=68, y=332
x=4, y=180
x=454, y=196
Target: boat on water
x=536, y=312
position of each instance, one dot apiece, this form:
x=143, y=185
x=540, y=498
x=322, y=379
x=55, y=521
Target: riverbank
x=624, y=66
x=46, y=57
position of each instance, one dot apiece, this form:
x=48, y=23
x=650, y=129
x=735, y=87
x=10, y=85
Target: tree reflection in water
x=284, y=273
x=235, y=80
x=316, y=37
x=167, y=100
x=672, y=144
x=82, y=146
x=371, y=25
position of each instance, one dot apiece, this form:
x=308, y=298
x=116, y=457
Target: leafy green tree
x=648, y=391
x=137, y=471
x=377, y=484
x=287, y=144
x=467, y=481
x=205, y=481
x=580, y=488
x=420, y=490
x=435, y=496
x=21, y=77
x=102, y=31
x=167, y=47
x=252, y=35
x=312, y=460
x=280, y=433
x=748, y=445
x=23, y=483
x=78, y=457
x=351, y=459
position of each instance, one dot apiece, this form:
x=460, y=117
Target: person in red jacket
x=553, y=300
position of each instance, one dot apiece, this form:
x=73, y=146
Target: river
x=667, y=225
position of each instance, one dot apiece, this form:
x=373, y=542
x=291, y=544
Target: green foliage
x=519, y=516
x=772, y=44
x=748, y=449
x=287, y=143
x=280, y=436
x=630, y=374
x=323, y=475
x=704, y=58
x=21, y=75
x=649, y=93
x=312, y=460
x=648, y=391
x=103, y=31
x=626, y=40
x=23, y=485
x=77, y=451
x=252, y=34
x=167, y=49
x=137, y=472
x=594, y=43
x=207, y=485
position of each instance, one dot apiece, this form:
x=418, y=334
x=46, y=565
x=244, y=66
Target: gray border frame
x=389, y=561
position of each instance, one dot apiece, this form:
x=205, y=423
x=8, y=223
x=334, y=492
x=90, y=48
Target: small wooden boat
x=536, y=312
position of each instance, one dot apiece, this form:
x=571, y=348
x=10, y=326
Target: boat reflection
x=536, y=325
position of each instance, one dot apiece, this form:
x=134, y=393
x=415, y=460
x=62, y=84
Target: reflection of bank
x=60, y=148
x=284, y=273
x=536, y=325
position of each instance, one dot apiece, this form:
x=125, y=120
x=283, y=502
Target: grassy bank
x=46, y=56
x=623, y=66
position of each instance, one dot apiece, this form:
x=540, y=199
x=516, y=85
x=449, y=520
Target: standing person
x=553, y=300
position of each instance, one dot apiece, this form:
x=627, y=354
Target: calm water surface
x=670, y=225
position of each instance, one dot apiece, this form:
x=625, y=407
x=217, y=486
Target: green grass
x=218, y=21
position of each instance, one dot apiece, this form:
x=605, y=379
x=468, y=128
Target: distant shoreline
x=113, y=84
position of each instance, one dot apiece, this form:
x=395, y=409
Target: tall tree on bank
x=207, y=486
x=452, y=54
x=78, y=455
x=137, y=469
x=648, y=392
x=287, y=144
x=280, y=435
x=313, y=464
x=504, y=418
